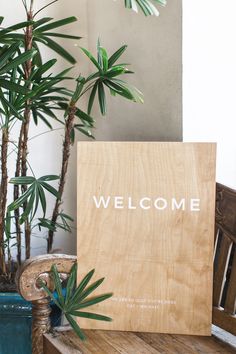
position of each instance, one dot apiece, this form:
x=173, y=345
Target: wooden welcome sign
x=146, y=224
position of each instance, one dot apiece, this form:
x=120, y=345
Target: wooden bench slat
x=68, y=343
x=127, y=342
x=220, y=269
x=230, y=303
x=110, y=342
x=50, y=346
x=225, y=210
x=184, y=344
x=226, y=232
x=216, y=240
x=209, y=345
x=224, y=320
x=167, y=343
x=98, y=342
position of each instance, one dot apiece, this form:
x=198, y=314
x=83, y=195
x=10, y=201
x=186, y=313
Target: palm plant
x=30, y=92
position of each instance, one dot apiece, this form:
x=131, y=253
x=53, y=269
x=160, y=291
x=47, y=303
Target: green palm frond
x=34, y=195
x=107, y=76
x=42, y=33
x=146, y=6
x=77, y=297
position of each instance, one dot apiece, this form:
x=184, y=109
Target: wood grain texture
x=225, y=210
x=39, y=267
x=157, y=262
x=109, y=342
x=230, y=303
x=224, y=292
x=221, y=267
x=224, y=320
x=40, y=324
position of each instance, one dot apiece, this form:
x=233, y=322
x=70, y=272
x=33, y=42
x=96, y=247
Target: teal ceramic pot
x=16, y=321
x=15, y=324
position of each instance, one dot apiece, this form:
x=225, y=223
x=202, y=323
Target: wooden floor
x=104, y=342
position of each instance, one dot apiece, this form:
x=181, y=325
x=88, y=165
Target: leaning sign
x=146, y=224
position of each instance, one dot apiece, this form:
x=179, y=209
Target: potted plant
x=31, y=91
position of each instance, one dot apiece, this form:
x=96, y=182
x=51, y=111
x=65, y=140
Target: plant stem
x=21, y=162
x=64, y=167
x=3, y=193
x=27, y=114
x=24, y=173
x=9, y=259
x=24, y=4
x=44, y=7
x=16, y=196
x=31, y=6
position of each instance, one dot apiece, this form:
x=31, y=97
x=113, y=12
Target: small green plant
x=76, y=298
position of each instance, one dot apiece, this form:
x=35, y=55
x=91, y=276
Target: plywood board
x=146, y=223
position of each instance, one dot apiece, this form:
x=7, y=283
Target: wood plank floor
x=104, y=342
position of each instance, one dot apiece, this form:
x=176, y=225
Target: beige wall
x=154, y=49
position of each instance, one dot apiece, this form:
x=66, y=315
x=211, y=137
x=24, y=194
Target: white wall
x=209, y=79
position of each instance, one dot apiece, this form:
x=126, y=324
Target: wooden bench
x=104, y=342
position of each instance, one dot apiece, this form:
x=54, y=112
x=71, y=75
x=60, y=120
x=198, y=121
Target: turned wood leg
x=28, y=276
x=41, y=323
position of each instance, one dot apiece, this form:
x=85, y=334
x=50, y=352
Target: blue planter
x=15, y=324
x=16, y=321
